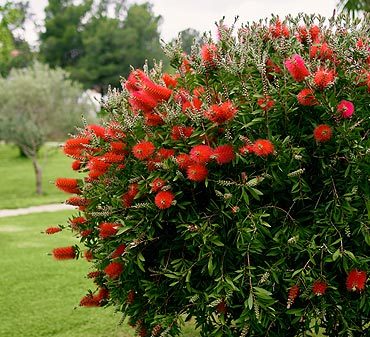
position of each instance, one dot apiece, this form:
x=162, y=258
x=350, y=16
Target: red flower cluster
x=220, y=114
x=323, y=78
x=68, y=185
x=292, y=295
x=113, y=270
x=306, y=97
x=107, y=229
x=322, y=133
x=279, y=30
x=266, y=103
x=143, y=150
x=319, y=288
x=157, y=184
x=65, y=253
x=345, y=109
x=52, y=230
x=181, y=132
x=356, y=280
x=119, y=251
x=201, y=154
x=164, y=199
x=223, y=154
x=196, y=172
x=209, y=54
x=297, y=68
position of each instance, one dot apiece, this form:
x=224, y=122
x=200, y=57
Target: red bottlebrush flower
x=278, y=30
x=77, y=201
x=157, y=184
x=198, y=92
x=68, y=185
x=86, y=233
x=209, y=54
x=98, y=164
x=319, y=288
x=111, y=158
x=102, y=294
x=97, y=130
x=183, y=160
x=141, y=100
x=52, y=230
x=181, y=132
x=76, y=165
x=164, y=199
x=185, y=65
x=113, y=270
x=89, y=301
x=156, y=91
x=292, y=295
x=346, y=109
x=272, y=68
x=143, y=150
x=322, y=133
x=197, y=172
x=129, y=196
x=297, y=68
x=118, y=147
x=88, y=254
x=223, y=154
x=94, y=274
x=356, y=280
x=201, y=154
x=114, y=131
x=130, y=297
x=322, y=52
x=77, y=222
x=245, y=149
x=64, y=253
x=74, y=147
x=266, y=103
x=163, y=153
x=153, y=119
x=263, y=147
x=119, y=251
x=303, y=35
x=221, y=113
x=170, y=81
x=323, y=78
x=194, y=105
x=107, y=229
x=306, y=97
x=133, y=189
x=134, y=80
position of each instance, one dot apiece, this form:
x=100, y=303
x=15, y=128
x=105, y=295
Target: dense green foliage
x=96, y=48
x=238, y=192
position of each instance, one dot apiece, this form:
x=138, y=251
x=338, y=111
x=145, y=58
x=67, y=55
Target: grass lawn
x=38, y=295
x=17, y=188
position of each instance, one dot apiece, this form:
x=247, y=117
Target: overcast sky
x=202, y=14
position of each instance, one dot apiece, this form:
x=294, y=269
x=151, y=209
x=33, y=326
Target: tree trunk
x=38, y=173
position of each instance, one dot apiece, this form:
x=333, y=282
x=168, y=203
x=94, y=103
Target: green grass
x=18, y=179
x=38, y=295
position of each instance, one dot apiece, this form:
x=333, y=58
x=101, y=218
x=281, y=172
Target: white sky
x=202, y=14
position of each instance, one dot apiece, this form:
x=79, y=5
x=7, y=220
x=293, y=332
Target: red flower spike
x=88, y=255
x=201, y=154
x=292, y=295
x=279, y=30
x=209, y=54
x=297, y=68
x=322, y=133
x=94, y=274
x=170, y=81
x=89, y=301
x=323, y=78
x=77, y=201
x=220, y=114
x=112, y=158
x=86, y=233
x=223, y=154
x=97, y=130
x=266, y=103
x=113, y=270
x=272, y=68
x=75, y=147
x=64, y=253
x=102, y=294
x=319, y=287
x=143, y=150
x=107, y=229
x=181, y=132
x=134, y=81
x=118, y=147
x=52, y=230
x=76, y=165
x=163, y=154
x=77, y=222
x=119, y=251
x=183, y=160
x=263, y=147
x=356, y=280
x=157, y=184
x=141, y=100
x=246, y=149
x=156, y=91
x=68, y=185
x=345, y=109
x=304, y=35
x=153, y=119
x=197, y=172
x=322, y=52
x=306, y=97
x=164, y=199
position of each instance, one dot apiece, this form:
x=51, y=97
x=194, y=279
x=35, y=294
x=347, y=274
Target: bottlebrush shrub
x=235, y=191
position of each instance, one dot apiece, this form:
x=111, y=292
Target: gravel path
x=35, y=209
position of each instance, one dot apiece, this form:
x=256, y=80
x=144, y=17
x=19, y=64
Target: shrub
x=236, y=191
